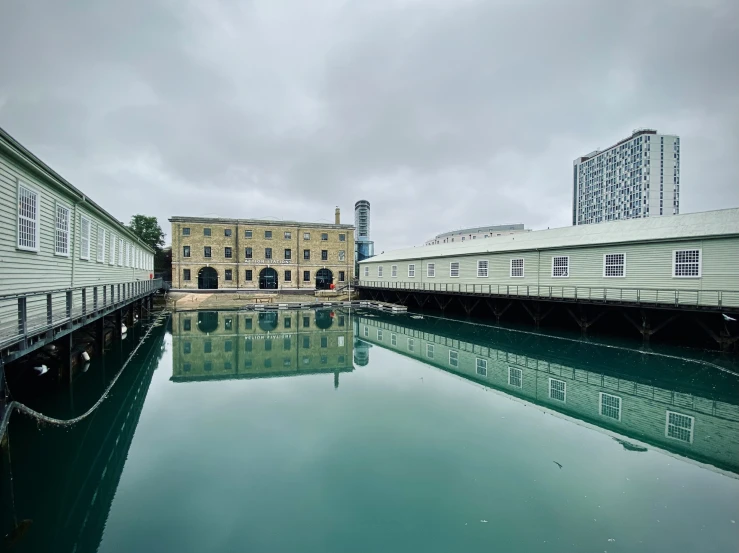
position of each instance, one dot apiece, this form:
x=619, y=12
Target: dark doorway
x=268, y=279
x=324, y=318
x=207, y=278
x=324, y=279
x=268, y=321
x=207, y=321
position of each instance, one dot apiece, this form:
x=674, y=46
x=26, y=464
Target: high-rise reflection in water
x=683, y=406
x=213, y=345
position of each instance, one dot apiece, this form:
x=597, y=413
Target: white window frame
x=57, y=230
x=564, y=390
x=120, y=252
x=622, y=265
x=431, y=270
x=430, y=351
x=36, y=220
x=675, y=263
x=111, y=249
x=366, y=331
x=481, y=364
x=411, y=270
x=456, y=358
x=482, y=268
x=567, y=257
x=379, y=271
x=451, y=263
x=393, y=339
x=523, y=267
x=520, y=377
x=85, y=240
x=667, y=426
x=379, y=334
x=393, y=271
x=411, y=344
x=600, y=406
x=100, y=244
x=366, y=270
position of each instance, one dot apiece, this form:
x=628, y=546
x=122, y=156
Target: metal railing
x=25, y=314
x=664, y=296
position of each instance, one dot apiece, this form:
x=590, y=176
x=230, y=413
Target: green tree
x=148, y=229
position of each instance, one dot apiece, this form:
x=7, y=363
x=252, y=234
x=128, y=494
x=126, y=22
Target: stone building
x=246, y=254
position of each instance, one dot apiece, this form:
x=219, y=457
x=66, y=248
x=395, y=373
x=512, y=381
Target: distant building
x=635, y=178
x=364, y=248
x=476, y=233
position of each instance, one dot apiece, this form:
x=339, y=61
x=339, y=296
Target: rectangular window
x=185, y=251
x=129, y=250
x=687, y=264
x=185, y=274
x=288, y=276
x=366, y=270
x=430, y=351
x=207, y=347
x=324, y=255
x=411, y=344
x=324, y=341
x=61, y=240
x=517, y=268
x=454, y=269
x=248, y=254
x=393, y=339
x=288, y=235
x=206, y=232
x=610, y=406
x=342, y=255
x=306, y=322
x=561, y=267
x=85, y=232
x=288, y=253
x=557, y=389
x=248, y=275
x=324, y=236
x=679, y=426
x=187, y=324
x=185, y=231
x=342, y=276
x=29, y=219
x=379, y=271
x=453, y=358
x=306, y=276
x=394, y=271
x=482, y=366
x=268, y=234
x=120, y=252
x=515, y=377
x=306, y=254
x=206, y=251
x=187, y=348
x=248, y=323
x=306, y=236
x=342, y=237
x=614, y=265
x=431, y=270
x=248, y=234
x=482, y=268
x=411, y=271
x=288, y=322
x=229, y=274
x=227, y=253
x=379, y=334
x=111, y=252
x=101, y=244
x=267, y=253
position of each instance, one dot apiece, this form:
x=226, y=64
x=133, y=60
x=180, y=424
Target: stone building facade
x=248, y=254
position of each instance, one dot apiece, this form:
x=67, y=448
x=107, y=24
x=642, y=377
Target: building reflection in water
x=217, y=345
x=683, y=406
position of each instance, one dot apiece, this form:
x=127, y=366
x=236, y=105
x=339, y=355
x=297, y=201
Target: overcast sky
x=441, y=113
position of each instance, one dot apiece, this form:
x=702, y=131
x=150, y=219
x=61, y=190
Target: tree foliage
x=148, y=229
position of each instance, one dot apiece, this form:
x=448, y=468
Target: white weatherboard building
x=635, y=178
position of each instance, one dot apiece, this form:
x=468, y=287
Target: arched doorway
x=268, y=279
x=207, y=321
x=324, y=279
x=207, y=278
x=268, y=321
x=324, y=318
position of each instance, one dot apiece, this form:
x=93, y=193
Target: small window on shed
x=431, y=270
x=394, y=271
x=61, y=240
x=411, y=270
x=614, y=265
x=454, y=269
x=517, y=268
x=560, y=267
x=379, y=271
x=85, y=227
x=687, y=264
x=28, y=219
x=482, y=268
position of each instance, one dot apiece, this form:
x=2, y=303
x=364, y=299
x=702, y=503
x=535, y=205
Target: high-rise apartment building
x=636, y=177
x=362, y=220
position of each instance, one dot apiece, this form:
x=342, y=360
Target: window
x=288, y=235
x=366, y=270
x=431, y=270
x=393, y=339
x=394, y=271
x=288, y=276
x=186, y=347
x=28, y=219
x=227, y=232
x=342, y=237
x=306, y=236
x=248, y=234
x=206, y=251
x=687, y=264
x=430, y=351
x=207, y=347
x=610, y=406
x=227, y=253
x=101, y=244
x=324, y=255
x=185, y=274
x=482, y=366
x=324, y=236
x=454, y=269
x=342, y=276
x=288, y=253
x=614, y=265
x=288, y=322
x=248, y=253
x=379, y=271
x=560, y=267
x=411, y=271
x=111, y=253
x=517, y=268
x=206, y=232
x=679, y=427
x=229, y=274
x=306, y=276
x=185, y=231
x=185, y=251
x=85, y=231
x=61, y=240
x=248, y=275
x=366, y=331
x=268, y=235
x=557, y=389
x=306, y=342
x=306, y=322
x=268, y=344
x=453, y=358
x=515, y=377
x=342, y=255
x=411, y=344
x=187, y=324
x=267, y=253
x=306, y=254
x=482, y=268
x=120, y=252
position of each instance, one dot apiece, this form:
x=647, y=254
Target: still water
x=354, y=431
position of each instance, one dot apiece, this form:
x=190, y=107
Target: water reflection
x=679, y=405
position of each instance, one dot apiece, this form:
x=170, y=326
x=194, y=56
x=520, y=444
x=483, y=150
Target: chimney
x=337, y=216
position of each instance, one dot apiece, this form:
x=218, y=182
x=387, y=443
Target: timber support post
x=65, y=359
x=497, y=311
x=443, y=304
x=582, y=318
x=469, y=305
x=536, y=313
x=100, y=335
x=723, y=338
x=645, y=328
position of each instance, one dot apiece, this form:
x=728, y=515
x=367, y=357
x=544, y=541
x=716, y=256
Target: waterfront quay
x=673, y=275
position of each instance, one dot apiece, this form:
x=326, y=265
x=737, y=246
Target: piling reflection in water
x=680, y=405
